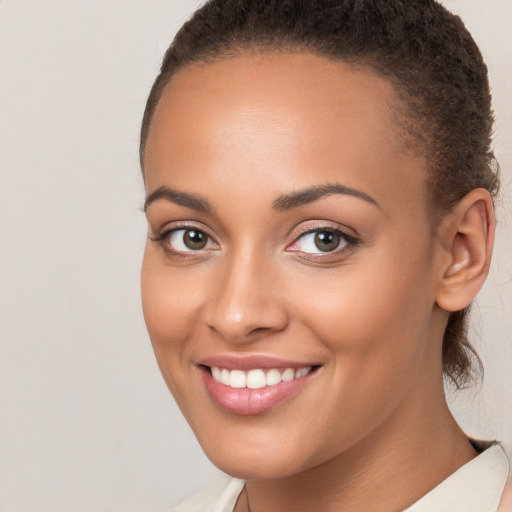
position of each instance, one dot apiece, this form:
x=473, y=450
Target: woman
x=320, y=193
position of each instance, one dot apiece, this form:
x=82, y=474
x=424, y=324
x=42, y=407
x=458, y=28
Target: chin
x=251, y=458
x=257, y=468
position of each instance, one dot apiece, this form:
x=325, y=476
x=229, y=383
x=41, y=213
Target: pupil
x=327, y=241
x=195, y=239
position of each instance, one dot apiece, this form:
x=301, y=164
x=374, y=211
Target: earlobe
x=467, y=240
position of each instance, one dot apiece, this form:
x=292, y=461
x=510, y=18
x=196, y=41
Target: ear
x=467, y=237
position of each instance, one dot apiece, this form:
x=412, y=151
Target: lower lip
x=245, y=401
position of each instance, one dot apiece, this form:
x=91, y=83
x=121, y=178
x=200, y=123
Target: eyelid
x=169, y=227
x=166, y=231
x=324, y=225
x=352, y=241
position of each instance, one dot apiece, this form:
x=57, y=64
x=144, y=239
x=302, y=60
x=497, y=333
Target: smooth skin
x=371, y=429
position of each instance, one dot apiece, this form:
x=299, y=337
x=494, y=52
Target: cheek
x=374, y=316
x=376, y=335
x=170, y=304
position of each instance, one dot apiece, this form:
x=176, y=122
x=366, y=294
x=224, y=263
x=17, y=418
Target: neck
x=404, y=458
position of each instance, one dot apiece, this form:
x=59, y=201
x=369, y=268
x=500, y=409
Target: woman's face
x=289, y=276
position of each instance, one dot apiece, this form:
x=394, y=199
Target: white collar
x=475, y=487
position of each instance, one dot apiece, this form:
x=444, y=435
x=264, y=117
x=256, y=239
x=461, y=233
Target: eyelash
x=350, y=240
x=160, y=239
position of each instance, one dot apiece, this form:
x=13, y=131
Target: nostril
x=258, y=330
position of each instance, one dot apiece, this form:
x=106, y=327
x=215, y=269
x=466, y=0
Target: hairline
x=240, y=49
x=398, y=107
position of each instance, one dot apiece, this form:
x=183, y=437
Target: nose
x=245, y=301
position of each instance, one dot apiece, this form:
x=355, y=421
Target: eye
x=321, y=241
x=185, y=240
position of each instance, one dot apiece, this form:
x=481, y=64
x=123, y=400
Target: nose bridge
x=244, y=298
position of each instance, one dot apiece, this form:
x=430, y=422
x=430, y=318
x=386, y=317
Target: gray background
x=87, y=423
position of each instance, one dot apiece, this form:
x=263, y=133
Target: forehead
x=298, y=115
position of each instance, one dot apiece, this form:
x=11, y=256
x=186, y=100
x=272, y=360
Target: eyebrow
x=193, y=201
x=283, y=203
x=287, y=202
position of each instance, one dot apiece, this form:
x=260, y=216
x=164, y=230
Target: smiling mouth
x=255, y=390
x=258, y=378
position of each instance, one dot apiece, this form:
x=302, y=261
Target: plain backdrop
x=86, y=421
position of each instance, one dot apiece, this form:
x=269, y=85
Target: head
x=438, y=74
x=421, y=103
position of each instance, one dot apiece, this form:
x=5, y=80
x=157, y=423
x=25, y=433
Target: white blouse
x=478, y=486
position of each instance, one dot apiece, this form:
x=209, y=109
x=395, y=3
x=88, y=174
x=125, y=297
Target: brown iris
x=194, y=239
x=327, y=241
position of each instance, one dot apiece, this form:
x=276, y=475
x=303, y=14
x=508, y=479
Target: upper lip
x=251, y=362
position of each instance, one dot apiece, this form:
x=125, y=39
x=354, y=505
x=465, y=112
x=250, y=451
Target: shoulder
x=218, y=497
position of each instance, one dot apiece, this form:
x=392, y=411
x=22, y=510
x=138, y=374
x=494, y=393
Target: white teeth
x=237, y=379
x=302, y=372
x=273, y=377
x=288, y=375
x=305, y=371
x=224, y=377
x=256, y=379
x=217, y=374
